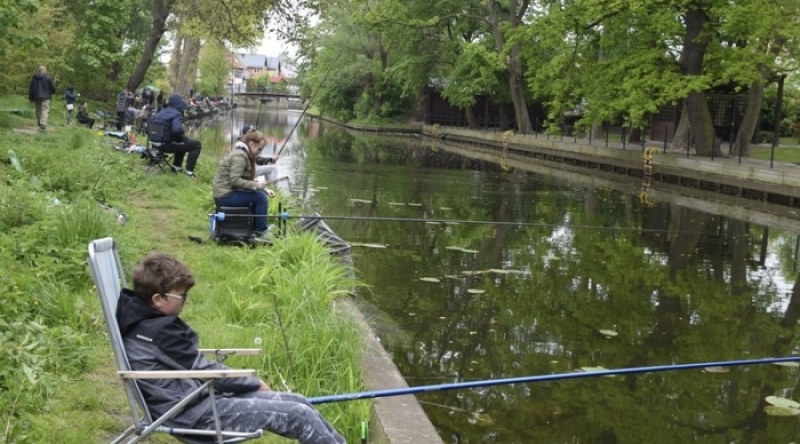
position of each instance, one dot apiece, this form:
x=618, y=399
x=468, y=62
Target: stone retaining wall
x=396, y=419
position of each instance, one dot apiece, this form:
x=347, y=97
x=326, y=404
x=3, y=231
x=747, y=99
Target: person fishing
x=236, y=183
x=264, y=164
x=156, y=338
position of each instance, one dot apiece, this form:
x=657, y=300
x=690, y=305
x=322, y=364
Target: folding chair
x=109, y=119
x=156, y=133
x=109, y=279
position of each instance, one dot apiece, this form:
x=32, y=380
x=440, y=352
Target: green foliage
x=214, y=68
x=475, y=73
x=13, y=32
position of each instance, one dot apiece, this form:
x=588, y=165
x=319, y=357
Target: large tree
x=214, y=67
x=623, y=61
x=239, y=22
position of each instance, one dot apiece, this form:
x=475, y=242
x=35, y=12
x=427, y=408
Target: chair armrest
x=185, y=374
x=231, y=351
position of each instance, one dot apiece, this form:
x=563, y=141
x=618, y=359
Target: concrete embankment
x=751, y=183
x=748, y=183
x=396, y=419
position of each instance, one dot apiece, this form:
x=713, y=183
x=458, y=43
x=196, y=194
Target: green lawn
x=57, y=380
x=782, y=153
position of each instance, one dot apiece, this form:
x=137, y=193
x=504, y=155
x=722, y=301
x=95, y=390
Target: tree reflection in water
x=688, y=287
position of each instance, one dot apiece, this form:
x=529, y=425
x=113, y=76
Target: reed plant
x=56, y=368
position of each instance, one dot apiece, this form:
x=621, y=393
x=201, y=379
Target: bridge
x=268, y=93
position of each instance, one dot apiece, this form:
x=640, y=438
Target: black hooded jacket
x=154, y=341
x=41, y=87
x=172, y=117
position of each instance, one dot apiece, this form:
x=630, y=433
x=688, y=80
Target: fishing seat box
x=237, y=225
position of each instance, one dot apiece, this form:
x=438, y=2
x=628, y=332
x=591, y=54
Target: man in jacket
x=166, y=128
x=40, y=91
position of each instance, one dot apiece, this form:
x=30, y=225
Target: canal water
x=597, y=280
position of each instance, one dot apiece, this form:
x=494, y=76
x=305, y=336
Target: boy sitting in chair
x=157, y=339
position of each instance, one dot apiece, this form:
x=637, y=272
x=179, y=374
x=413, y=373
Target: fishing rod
x=285, y=216
x=542, y=378
x=313, y=96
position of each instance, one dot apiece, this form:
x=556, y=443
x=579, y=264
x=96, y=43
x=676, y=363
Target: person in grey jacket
x=40, y=91
x=236, y=185
x=156, y=338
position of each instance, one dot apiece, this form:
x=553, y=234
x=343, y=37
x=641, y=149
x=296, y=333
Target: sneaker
x=191, y=174
x=262, y=237
x=175, y=168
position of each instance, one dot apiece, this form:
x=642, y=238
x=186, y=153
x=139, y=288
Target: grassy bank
x=56, y=372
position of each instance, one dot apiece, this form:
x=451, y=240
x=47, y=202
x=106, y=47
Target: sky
x=271, y=46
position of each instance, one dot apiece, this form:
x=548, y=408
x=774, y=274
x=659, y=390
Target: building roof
x=235, y=61
x=279, y=78
x=273, y=63
x=253, y=60
x=260, y=61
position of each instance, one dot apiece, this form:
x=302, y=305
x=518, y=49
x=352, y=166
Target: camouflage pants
x=285, y=414
x=42, y=112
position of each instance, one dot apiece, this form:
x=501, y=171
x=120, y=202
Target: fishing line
x=314, y=95
x=284, y=216
x=260, y=104
x=232, y=112
x=542, y=378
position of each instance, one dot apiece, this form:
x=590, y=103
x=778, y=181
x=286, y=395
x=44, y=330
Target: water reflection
x=676, y=284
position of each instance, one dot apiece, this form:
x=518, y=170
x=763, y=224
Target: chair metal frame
x=152, y=151
x=109, y=279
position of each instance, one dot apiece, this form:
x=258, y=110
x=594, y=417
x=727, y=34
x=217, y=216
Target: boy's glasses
x=182, y=297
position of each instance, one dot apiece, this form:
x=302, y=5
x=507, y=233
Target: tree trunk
x=750, y=120
x=635, y=136
x=161, y=11
x=516, y=85
x=598, y=131
x=695, y=44
x=701, y=124
x=680, y=140
x=423, y=105
x=469, y=112
x=175, y=61
x=513, y=63
x=187, y=69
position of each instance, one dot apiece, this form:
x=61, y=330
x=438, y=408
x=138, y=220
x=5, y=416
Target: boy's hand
x=264, y=387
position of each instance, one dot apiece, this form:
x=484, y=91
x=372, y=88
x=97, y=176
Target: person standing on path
x=40, y=91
